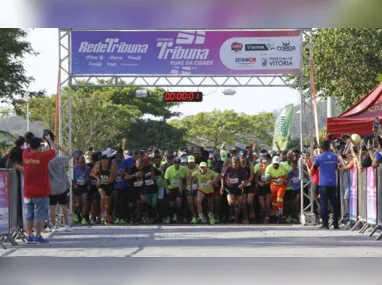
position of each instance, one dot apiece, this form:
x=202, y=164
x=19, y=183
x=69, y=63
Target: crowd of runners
x=191, y=185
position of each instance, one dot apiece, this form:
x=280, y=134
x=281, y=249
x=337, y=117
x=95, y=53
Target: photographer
x=59, y=184
x=37, y=187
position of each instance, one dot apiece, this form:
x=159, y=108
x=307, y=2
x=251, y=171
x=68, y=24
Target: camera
x=376, y=125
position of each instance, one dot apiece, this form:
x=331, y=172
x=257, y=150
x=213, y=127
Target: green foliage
x=227, y=126
x=13, y=80
x=346, y=61
x=150, y=133
x=101, y=116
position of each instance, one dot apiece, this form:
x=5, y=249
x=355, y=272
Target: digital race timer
x=183, y=97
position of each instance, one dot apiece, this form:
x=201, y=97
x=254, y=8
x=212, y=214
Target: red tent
x=360, y=117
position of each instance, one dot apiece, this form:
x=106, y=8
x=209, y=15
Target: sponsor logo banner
x=282, y=128
x=4, y=210
x=185, y=52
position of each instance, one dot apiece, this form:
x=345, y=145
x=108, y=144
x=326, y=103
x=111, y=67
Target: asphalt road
x=105, y=254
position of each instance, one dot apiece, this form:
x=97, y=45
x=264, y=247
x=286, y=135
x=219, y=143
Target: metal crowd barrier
x=365, y=205
x=11, y=221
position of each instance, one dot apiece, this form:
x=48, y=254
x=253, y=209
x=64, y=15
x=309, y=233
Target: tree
x=151, y=133
x=13, y=80
x=96, y=121
x=346, y=62
x=227, y=126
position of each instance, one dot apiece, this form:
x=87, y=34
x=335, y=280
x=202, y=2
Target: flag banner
x=282, y=128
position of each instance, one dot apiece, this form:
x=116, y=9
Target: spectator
x=59, y=184
x=36, y=188
x=327, y=163
x=28, y=136
x=16, y=153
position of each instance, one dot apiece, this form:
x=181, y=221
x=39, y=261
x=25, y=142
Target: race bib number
x=149, y=182
x=295, y=180
x=161, y=194
x=194, y=186
x=175, y=183
x=94, y=182
x=205, y=185
x=80, y=182
x=234, y=180
x=263, y=178
x=138, y=184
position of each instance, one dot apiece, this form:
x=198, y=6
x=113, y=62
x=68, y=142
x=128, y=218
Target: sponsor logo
x=97, y=64
x=236, y=47
x=169, y=51
x=113, y=57
x=112, y=45
x=137, y=57
x=280, y=62
x=264, y=61
x=271, y=46
x=256, y=47
x=245, y=60
x=111, y=64
x=286, y=47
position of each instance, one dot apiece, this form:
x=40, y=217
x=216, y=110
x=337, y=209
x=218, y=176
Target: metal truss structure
x=68, y=81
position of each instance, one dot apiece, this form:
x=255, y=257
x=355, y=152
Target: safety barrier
x=11, y=222
x=365, y=199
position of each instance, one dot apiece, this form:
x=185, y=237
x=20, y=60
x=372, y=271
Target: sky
x=249, y=100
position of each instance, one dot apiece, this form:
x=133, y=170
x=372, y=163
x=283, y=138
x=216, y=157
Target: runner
x=191, y=188
x=264, y=189
x=137, y=174
x=294, y=182
x=161, y=192
x=205, y=179
x=233, y=182
x=151, y=193
x=175, y=177
x=120, y=189
x=94, y=198
x=105, y=172
x=249, y=190
x=277, y=175
x=81, y=187
x=218, y=195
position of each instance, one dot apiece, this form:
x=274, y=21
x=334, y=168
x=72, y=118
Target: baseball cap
x=35, y=142
x=223, y=155
x=28, y=136
x=243, y=154
x=203, y=164
x=276, y=160
x=177, y=160
x=183, y=154
x=191, y=158
x=183, y=160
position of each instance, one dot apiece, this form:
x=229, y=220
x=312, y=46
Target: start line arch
x=187, y=58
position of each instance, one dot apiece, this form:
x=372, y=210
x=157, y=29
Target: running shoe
x=84, y=222
x=68, y=228
x=122, y=222
x=204, y=220
x=200, y=220
x=30, y=240
x=185, y=220
x=246, y=221
x=76, y=219
x=289, y=220
x=168, y=220
x=117, y=221
x=194, y=220
x=212, y=220
x=40, y=240
x=54, y=229
x=266, y=220
x=175, y=218
x=103, y=222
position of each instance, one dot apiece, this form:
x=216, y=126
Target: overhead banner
x=4, y=211
x=282, y=128
x=204, y=53
x=371, y=196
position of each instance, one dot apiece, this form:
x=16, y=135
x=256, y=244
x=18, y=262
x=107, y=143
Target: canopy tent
x=359, y=118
